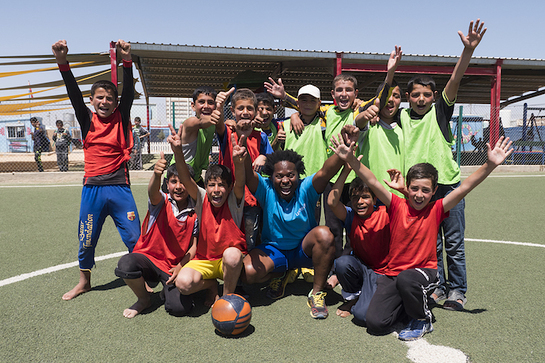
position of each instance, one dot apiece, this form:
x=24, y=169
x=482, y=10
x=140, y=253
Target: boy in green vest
x=428, y=138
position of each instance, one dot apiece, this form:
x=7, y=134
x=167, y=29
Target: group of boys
x=255, y=216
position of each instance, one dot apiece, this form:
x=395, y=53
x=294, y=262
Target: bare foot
x=211, y=296
x=344, y=310
x=83, y=285
x=137, y=308
x=332, y=281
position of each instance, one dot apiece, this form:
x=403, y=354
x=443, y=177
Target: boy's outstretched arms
x=154, y=185
x=496, y=156
x=346, y=153
x=470, y=42
x=175, y=140
x=123, y=48
x=397, y=181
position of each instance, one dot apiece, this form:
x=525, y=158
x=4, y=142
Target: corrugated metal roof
x=170, y=70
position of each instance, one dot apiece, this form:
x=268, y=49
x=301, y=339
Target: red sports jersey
x=413, y=233
x=168, y=239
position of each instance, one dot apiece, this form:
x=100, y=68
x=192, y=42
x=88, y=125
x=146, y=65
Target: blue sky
x=515, y=29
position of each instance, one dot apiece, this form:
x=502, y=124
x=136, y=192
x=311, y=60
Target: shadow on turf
x=110, y=285
x=249, y=330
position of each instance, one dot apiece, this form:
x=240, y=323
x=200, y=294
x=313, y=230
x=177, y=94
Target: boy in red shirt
x=411, y=274
x=107, y=144
x=168, y=241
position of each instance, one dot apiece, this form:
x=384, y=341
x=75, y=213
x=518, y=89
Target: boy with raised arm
x=411, y=274
x=428, y=139
x=107, y=143
x=222, y=244
x=168, y=241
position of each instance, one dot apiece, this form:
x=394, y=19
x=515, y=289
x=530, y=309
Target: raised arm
x=346, y=153
x=127, y=94
x=239, y=155
x=470, y=42
x=217, y=115
x=175, y=140
x=334, y=197
x=496, y=156
x=154, y=185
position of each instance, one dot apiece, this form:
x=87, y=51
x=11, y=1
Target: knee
x=324, y=236
x=232, y=258
x=184, y=282
x=342, y=264
x=375, y=324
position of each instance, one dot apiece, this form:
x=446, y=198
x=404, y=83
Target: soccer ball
x=231, y=314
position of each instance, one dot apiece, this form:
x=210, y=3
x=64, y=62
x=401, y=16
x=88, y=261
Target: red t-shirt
x=413, y=235
x=370, y=239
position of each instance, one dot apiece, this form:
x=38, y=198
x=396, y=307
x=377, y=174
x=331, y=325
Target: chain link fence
x=523, y=124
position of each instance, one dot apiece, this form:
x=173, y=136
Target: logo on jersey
x=131, y=216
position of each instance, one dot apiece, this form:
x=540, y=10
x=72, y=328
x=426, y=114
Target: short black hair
x=422, y=79
x=105, y=84
x=207, y=90
x=284, y=155
x=59, y=122
x=392, y=86
x=266, y=98
x=172, y=171
x=219, y=171
x=359, y=186
x=422, y=171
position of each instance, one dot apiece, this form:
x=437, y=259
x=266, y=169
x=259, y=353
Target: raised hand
x=500, y=152
x=239, y=149
x=396, y=181
x=244, y=127
x=395, y=58
x=160, y=165
x=175, y=138
x=123, y=48
x=474, y=34
x=350, y=134
x=371, y=114
x=275, y=88
x=341, y=149
x=221, y=98
x=60, y=51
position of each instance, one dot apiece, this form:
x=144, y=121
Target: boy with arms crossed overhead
x=222, y=244
x=107, y=143
x=411, y=274
x=428, y=138
x=168, y=241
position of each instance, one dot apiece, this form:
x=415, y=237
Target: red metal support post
x=495, y=98
x=339, y=64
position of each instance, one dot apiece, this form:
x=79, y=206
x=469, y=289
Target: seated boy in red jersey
x=243, y=107
x=168, y=241
x=411, y=274
x=366, y=259
x=107, y=143
x=222, y=244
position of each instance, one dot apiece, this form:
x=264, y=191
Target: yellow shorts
x=208, y=269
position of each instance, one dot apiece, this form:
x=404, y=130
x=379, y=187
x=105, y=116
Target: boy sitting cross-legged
x=222, y=244
x=414, y=222
x=168, y=241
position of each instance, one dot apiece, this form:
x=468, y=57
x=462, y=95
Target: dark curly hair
x=284, y=155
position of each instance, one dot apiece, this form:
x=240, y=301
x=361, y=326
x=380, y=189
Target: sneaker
x=278, y=284
x=456, y=301
x=308, y=274
x=416, y=330
x=316, y=302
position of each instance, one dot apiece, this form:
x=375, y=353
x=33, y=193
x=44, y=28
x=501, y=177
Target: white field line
x=505, y=242
x=48, y=270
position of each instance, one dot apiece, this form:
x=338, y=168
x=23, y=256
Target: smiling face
x=420, y=193
x=104, y=102
x=217, y=191
x=308, y=105
x=388, y=112
x=344, y=94
x=266, y=112
x=285, y=179
x=362, y=203
x=244, y=109
x=421, y=98
x=177, y=191
x=203, y=105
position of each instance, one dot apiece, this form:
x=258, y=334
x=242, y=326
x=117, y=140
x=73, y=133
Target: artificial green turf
x=502, y=323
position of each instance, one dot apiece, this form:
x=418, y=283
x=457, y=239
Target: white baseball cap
x=309, y=89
